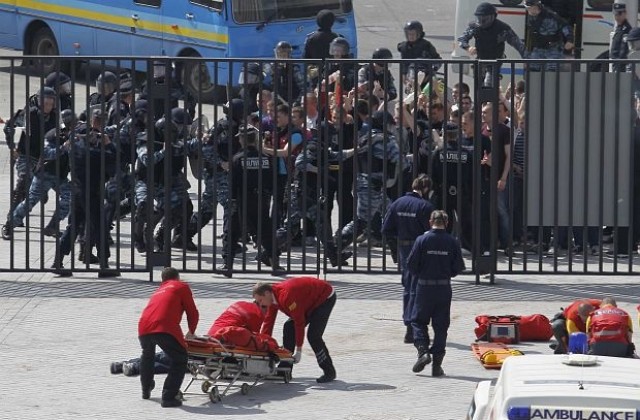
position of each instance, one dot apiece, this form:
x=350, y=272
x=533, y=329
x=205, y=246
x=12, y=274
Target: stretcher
x=217, y=365
x=492, y=355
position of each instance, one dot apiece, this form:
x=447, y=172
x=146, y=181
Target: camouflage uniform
x=546, y=35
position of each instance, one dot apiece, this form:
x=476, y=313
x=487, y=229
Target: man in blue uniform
x=619, y=48
x=406, y=219
x=548, y=35
x=435, y=258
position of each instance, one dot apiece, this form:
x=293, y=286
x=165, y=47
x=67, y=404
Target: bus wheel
x=44, y=43
x=196, y=79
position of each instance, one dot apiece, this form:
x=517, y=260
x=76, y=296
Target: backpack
x=534, y=327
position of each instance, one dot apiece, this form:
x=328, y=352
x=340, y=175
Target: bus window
x=152, y=3
x=251, y=11
x=212, y=4
x=605, y=5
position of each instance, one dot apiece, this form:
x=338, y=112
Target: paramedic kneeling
x=572, y=319
x=307, y=301
x=609, y=330
x=434, y=259
x=159, y=325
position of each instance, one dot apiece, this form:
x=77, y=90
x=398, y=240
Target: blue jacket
x=407, y=217
x=436, y=255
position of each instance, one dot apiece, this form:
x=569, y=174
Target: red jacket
x=241, y=314
x=297, y=298
x=609, y=324
x=571, y=312
x=164, y=311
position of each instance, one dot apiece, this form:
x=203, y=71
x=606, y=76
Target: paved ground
x=58, y=337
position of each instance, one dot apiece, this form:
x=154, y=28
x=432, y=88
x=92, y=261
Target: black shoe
x=7, y=232
x=146, y=393
x=51, y=231
x=171, y=403
x=107, y=272
x=408, y=335
x=225, y=270
x=59, y=270
x=93, y=259
x=424, y=358
x=179, y=243
x=342, y=260
x=140, y=247
x=436, y=371
x=329, y=375
x=116, y=367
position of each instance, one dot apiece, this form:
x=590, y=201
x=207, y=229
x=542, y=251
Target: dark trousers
x=246, y=218
x=177, y=368
x=88, y=220
x=317, y=322
x=432, y=305
x=406, y=283
x=343, y=193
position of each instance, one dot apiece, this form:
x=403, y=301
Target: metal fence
x=535, y=164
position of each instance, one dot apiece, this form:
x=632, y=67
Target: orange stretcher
x=491, y=355
x=219, y=365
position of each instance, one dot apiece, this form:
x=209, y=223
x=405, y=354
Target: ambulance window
x=511, y=3
x=604, y=5
x=152, y=3
x=211, y=4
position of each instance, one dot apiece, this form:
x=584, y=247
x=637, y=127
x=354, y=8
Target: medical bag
x=534, y=327
x=503, y=330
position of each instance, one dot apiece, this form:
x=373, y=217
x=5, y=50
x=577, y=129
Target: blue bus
x=174, y=28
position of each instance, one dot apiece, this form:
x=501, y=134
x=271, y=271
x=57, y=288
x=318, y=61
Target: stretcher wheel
x=214, y=395
x=244, y=389
x=205, y=386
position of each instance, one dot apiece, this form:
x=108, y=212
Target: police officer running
x=548, y=35
x=406, y=219
x=435, y=258
x=619, y=49
x=490, y=35
x=41, y=118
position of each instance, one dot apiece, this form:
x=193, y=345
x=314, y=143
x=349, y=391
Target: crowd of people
x=296, y=140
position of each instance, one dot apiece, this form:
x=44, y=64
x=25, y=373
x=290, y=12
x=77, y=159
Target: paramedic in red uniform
x=159, y=325
x=609, y=330
x=306, y=301
x=572, y=319
x=241, y=314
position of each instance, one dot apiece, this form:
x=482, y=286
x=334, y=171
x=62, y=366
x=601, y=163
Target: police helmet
x=106, y=83
x=234, y=109
x=250, y=74
x=140, y=111
x=381, y=120
x=339, y=47
x=126, y=86
x=283, y=49
x=51, y=135
x=46, y=92
x=529, y=3
x=485, y=14
x=180, y=116
x=59, y=81
x=248, y=133
x=416, y=26
x=381, y=54
x=325, y=19
x=619, y=8
x=68, y=117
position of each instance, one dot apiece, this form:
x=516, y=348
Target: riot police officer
x=406, y=219
x=490, y=35
x=284, y=79
x=89, y=148
x=619, y=48
x=340, y=72
x=41, y=118
x=176, y=150
x=378, y=157
x=106, y=84
x=548, y=35
x=417, y=48
x=61, y=83
x=249, y=80
x=378, y=77
x=252, y=175
x=435, y=258
x=51, y=173
x=119, y=108
x=164, y=74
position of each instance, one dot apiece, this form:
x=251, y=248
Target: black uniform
x=368, y=75
x=619, y=48
x=420, y=49
x=448, y=185
x=252, y=175
x=88, y=177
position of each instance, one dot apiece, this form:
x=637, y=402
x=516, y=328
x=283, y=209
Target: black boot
x=436, y=368
x=52, y=229
x=408, y=335
x=424, y=358
x=58, y=268
x=327, y=367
